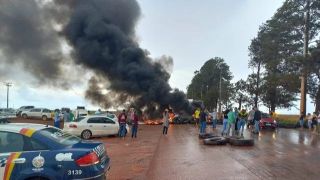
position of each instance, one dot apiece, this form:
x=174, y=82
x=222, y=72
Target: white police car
x=34, y=151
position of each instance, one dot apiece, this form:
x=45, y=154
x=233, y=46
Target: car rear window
x=59, y=137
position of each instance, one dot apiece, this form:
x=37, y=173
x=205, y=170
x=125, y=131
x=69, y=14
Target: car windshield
x=265, y=115
x=60, y=137
x=111, y=116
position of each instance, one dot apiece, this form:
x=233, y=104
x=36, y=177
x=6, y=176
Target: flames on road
x=160, y=121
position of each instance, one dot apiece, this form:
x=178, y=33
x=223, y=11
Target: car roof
x=17, y=127
x=97, y=115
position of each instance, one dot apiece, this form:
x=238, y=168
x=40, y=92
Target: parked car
x=23, y=108
x=93, y=126
x=80, y=112
x=42, y=113
x=267, y=122
x=35, y=151
x=7, y=112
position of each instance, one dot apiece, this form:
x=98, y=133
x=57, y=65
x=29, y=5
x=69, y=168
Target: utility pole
x=8, y=84
x=220, y=93
x=303, y=89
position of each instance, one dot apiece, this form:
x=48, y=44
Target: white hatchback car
x=93, y=126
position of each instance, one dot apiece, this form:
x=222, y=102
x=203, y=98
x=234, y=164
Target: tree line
x=285, y=50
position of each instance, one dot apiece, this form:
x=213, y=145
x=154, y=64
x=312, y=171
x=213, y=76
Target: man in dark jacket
x=256, y=118
x=203, y=121
x=122, y=118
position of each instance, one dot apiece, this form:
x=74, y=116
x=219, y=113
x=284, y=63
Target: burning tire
x=207, y=135
x=215, y=141
x=241, y=142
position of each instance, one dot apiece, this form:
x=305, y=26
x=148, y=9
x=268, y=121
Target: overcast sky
x=190, y=31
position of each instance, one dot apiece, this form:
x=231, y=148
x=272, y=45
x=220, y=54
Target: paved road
x=281, y=154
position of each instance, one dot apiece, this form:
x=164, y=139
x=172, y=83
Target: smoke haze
x=102, y=36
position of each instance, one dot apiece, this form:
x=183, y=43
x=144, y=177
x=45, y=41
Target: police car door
x=22, y=157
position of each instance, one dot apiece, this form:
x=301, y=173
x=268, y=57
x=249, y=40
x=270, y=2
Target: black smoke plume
x=102, y=33
x=102, y=36
x=28, y=39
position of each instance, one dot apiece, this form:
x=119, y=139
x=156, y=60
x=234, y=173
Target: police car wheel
x=86, y=134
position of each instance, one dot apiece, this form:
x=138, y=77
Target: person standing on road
x=122, y=122
x=309, y=118
x=301, y=118
x=56, y=119
x=250, y=118
x=231, y=123
x=203, y=121
x=66, y=116
x=314, y=122
x=98, y=112
x=242, y=120
x=197, y=116
x=225, y=122
x=134, y=124
x=131, y=115
x=214, y=118
x=71, y=116
x=165, y=121
x=236, y=114
x=256, y=119
x=318, y=124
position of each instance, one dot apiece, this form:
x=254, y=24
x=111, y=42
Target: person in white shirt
x=214, y=118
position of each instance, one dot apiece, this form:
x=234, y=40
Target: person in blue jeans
x=242, y=121
x=122, y=118
x=57, y=118
x=203, y=121
x=256, y=118
x=225, y=122
x=134, y=125
x=214, y=118
x=301, y=119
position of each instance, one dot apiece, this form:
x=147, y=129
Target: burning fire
x=153, y=122
x=171, y=116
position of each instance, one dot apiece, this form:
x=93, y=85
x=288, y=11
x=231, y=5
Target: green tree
x=279, y=47
x=240, y=94
x=314, y=78
x=205, y=84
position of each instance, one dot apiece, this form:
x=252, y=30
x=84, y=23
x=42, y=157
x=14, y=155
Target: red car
x=267, y=122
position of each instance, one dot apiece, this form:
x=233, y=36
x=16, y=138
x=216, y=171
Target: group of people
x=67, y=116
x=313, y=121
x=123, y=118
x=234, y=121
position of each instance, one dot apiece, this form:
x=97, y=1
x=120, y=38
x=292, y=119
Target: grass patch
x=287, y=120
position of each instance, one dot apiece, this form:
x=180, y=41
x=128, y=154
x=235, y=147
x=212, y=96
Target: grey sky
x=194, y=31
x=190, y=31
